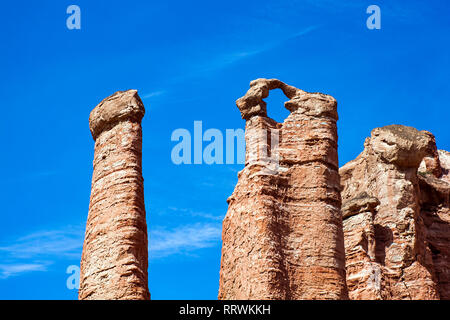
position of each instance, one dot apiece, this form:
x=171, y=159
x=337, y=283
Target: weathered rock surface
x=115, y=258
x=363, y=275
x=434, y=182
x=282, y=235
x=396, y=217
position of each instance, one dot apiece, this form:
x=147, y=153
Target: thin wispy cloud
x=301, y=33
x=66, y=243
x=153, y=94
x=10, y=270
x=223, y=60
x=38, y=250
x=196, y=213
x=288, y=38
x=184, y=239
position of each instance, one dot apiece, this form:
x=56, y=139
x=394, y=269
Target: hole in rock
x=275, y=105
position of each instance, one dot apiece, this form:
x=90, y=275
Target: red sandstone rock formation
x=282, y=235
x=396, y=221
x=434, y=182
x=114, y=260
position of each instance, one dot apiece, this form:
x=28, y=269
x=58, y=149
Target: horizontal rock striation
x=363, y=273
x=282, y=234
x=115, y=258
x=434, y=182
x=396, y=217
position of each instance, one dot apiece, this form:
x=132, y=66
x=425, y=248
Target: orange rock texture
x=434, y=182
x=396, y=217
x=115, y=253
x=282, y=235
x=297, y=226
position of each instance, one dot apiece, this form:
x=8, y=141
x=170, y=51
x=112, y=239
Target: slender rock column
x=282, y=235
x=115, y=258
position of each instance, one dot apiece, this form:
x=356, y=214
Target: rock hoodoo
x=396, y=217
x=115, y=258
x=282, y=235
x=297, y=226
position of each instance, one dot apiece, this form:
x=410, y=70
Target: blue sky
x=190, y=60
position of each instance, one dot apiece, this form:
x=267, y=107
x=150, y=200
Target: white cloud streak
x=36, y=251
x=183, y=239
x=224, y=60
x=67, y=243
x=153, y=94
x=9, y=270
x=193, y=213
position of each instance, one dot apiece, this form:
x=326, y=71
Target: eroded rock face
x=115, y=258
x=363, y=275
x=282, y=235
x=434, y=182
x=391, y=248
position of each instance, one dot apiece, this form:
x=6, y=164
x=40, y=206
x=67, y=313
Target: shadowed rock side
x=115, y=258
x=282, y=234
x=434, y=182
x=396, y=220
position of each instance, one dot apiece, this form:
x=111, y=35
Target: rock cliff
x=282, y=234
x=396, y=217
x=297, y=226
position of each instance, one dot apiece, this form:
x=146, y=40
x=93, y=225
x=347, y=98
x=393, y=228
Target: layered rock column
x=115, y=258
x=282, y=235
x=387, y=170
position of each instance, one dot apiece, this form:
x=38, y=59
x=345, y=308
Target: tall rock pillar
x=115, y=258
x=282, y=235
